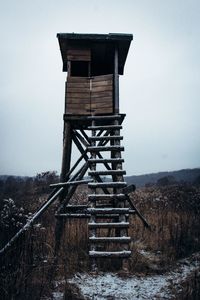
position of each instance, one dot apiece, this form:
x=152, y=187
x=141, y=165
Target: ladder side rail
x=93, y=231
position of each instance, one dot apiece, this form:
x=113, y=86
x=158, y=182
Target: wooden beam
x=36, y=215
x=81, y=138
x=67, y=144
x=76, y=163
x=80, y=148
x=68, y=183
x=73, y=188
x=116, y=81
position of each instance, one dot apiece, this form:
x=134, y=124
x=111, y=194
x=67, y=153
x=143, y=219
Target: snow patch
x=111, y=286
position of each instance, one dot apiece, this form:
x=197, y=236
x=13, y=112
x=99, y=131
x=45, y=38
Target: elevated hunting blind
x=92, y=121
x=93, y=63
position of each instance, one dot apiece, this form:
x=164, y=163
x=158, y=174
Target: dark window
x=80, y=68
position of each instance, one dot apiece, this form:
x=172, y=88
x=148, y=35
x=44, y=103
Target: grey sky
x=159, y=91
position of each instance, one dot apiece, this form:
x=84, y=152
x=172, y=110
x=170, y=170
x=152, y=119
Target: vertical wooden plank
x=116, y=82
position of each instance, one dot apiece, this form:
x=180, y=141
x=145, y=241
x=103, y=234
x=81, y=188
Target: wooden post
x=66, y=160
x=67, y=145
x=116, y=81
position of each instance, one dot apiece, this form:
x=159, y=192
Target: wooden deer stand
x=92, y=121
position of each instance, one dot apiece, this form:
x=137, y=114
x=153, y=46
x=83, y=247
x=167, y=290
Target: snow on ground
x=111, y=286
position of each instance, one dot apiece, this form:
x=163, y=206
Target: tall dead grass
x=29, y=270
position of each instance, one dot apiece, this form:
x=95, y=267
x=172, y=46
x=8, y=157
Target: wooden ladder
x=109, y=220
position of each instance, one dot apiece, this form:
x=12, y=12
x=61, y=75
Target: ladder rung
x=73, y=215
x=108, y=216
x=113, y=215
x=109, y=225
x=122, y=254
x=106, y=138
x=97, y=197
x=105, y=148
x=108, y=172
x=103, y=160
x=75, y=207
x=110, y=239
x=117, y=184
x=108, y=210
x=105, y=127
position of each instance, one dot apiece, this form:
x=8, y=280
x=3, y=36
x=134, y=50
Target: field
x=44, y=260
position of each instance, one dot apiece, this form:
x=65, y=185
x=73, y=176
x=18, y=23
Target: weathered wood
x=102, y=100
x=105, y=160
x=67, y=144
x=79, y=175
x=82, y=95
x=78, y=79
x=109, y=225
x=80, y=148
x=97, y=93
x=146, y=224
x=68, y=183
x=104, y=127
x=108, y=82
x=106, y=184
x=81, y=138
x=85, y=135
x=105, y=164
x=107, y=118
x=103, y=88
x=81, y=106
x=102, y=94
x=73, y=215
x=103, y=138
x=76, y=208
x=79, y=54
x=116, y=80
x=110, y=239
x=117, y=254
x=78, y=101
x=79, y=84
x=71, y=89
x=108, y=210
x=100, y=105
x=114, y=215
x=110, y=172
x=129, y=189
x=103, y=148
x=104, y=110
x=102, y=77
x=78, y=111
x=99, y=197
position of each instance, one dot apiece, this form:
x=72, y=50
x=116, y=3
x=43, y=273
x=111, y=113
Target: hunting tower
x=92, y=121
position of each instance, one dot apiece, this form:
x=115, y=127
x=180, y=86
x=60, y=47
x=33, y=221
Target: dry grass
x=30, y=269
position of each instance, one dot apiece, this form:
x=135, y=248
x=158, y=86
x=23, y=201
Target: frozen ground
x=113, y=287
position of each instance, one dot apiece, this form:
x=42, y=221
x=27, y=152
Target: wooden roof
x=101, y=45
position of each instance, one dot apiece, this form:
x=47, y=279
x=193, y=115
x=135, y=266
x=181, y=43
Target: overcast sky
x=159, y=91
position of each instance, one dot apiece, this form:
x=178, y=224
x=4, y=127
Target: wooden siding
x=79, y=54
x=89, y=95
